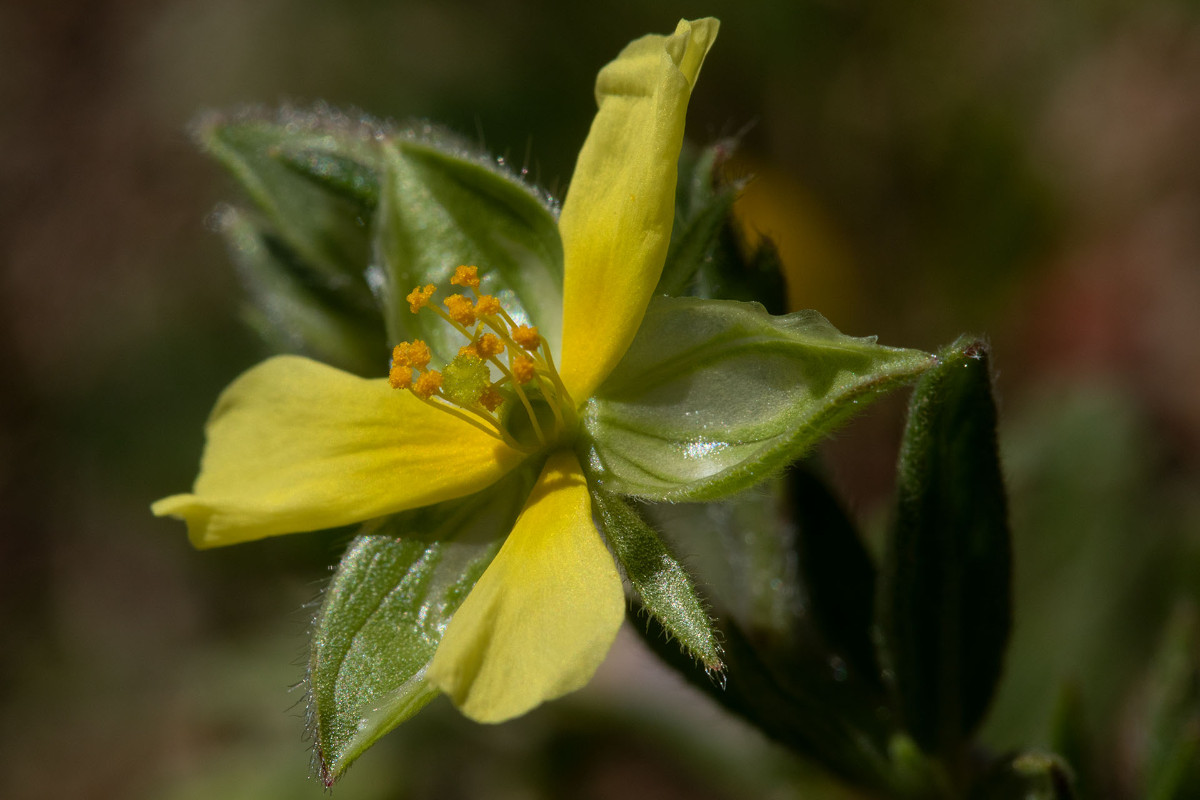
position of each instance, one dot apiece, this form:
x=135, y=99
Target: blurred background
x=1025, y=170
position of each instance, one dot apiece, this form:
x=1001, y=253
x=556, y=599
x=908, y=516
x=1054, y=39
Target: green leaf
x=666, y=589
x=286, y=165
x=836, y=571
x=289, y=311
x=1172, y=759
x=716, y=396
x=441, y=208
x=1028, y=776
x=945, y=605
x=384, y=613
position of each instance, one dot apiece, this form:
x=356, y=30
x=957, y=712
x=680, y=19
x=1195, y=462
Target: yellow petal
x=616, y=220
x=294, y=445
x=543, y=616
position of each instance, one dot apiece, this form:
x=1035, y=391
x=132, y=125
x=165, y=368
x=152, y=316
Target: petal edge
x=294, y=445
x=617, y=216
x=542, y=617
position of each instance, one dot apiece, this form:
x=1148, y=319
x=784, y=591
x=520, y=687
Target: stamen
x=466, y=276
x=412, y=354
x=489, y=345
x=527, y=336
x=464, y=387
x=460, y=309
x=418, y=298
x=400, y=376
x=428, y=384
x=487, y=306
x=523, y=369
x=491, y=399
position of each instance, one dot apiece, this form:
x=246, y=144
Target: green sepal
x=289, y=311
x=707, y=256
x=384, y=613
x=665, y=588
x=1171, y=769
x=716, y=396
x=1027, y=776
x=441, y=207
x=836, y=571
x=945, y=606
x=285, y=163
x=702, y=208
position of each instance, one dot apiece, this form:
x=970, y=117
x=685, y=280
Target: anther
x=488, y=306
x=466, y=276
x=527, y=336
x=412, y=354
x=523, y=369
x=418, y=298
x=428, y=384
x=489, y=345
x=400, y=376
x=491, y=399
x=460, y=309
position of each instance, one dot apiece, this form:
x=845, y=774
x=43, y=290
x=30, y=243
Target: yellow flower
x=294, y=445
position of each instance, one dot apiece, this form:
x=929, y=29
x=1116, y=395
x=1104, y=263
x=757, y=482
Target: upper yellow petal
x=295, y=445
x=616, y=219
x=544, y=614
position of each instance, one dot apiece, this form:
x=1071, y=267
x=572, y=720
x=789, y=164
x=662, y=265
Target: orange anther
x=428, y=384
x=527, y=336
x=400, y=376
x=466, y=276
x=412, y=354
x=523, y=369
x=489, y=345
x=461, y=310
x=488, y=306
x=418, y=298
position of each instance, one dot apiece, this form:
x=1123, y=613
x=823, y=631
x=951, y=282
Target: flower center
x=527, y=406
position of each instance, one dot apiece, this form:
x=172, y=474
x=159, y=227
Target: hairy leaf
x=716, y=396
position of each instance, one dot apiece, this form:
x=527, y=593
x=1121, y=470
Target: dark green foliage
x=798, y=702
x=707, y=257
x=835, y=570
x=945, y=603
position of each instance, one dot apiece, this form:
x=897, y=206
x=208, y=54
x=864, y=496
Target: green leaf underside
x=325, y=226
x=945, y=606
x=666, y=589
x=438, y=211
x=292, y=313
x=386, y=609
x=713, y=396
